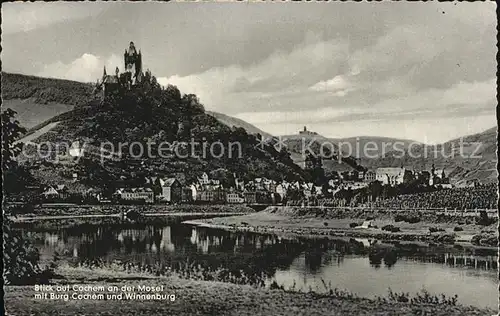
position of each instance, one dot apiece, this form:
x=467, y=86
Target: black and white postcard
x=249, y=158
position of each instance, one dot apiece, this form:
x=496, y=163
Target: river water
x=303, y=264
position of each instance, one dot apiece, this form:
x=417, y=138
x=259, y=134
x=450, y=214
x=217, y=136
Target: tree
x=11, y=130
x=15, y=177
x=295, y=194
x=375, y=189
x=20, y=258
x=327, y=190
x=315, y=167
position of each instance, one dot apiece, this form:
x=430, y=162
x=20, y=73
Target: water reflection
x=359, y=265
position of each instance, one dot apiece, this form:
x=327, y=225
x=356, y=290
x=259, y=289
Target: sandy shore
x=204, y=298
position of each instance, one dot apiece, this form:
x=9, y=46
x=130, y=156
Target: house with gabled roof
x=171, y=190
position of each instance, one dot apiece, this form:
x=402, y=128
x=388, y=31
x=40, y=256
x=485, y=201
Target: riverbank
x=48, y=218
x=425, y=226
x=112, y=209
x=49, y=223
x=206, y=298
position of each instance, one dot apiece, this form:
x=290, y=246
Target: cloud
x=403, y=64
x=471, y=14
x=404, y=45
x=269, y=82
x=23, y=17
x=338, y=86
x=87, y=68
x=463, y=100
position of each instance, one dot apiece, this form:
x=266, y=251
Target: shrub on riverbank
x=484, y=220
x=485, y=240
x=412, y=219
x=435, y=229
x=445, y=238
x=37, y=224
x=391, y=228
x=21, y=259
x=76, y=210
x=422, y=297
x=184, y=270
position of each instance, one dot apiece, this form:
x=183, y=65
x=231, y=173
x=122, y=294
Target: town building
x=369, y=176
x=392, y=176
x=208, y=190
x=234, y=198
x=194, y=191
x=239, y=184
x=187, y=195
x=269, y=185
x=58, y=192
x=171, y=190
x=50, y=194
x=145, y=195
x=211, y=195
x=281, y=189
x=440, y=177
x=205, y=180
x=424, y=177
x=75, y=150
x=257, y=197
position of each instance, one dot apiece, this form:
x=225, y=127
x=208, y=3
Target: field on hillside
x=30, y=113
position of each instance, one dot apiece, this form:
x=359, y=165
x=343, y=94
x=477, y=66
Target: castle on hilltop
x=306, y=132
x=132, y=76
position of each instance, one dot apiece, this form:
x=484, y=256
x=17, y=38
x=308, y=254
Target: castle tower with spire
x=133, y=63
x=132, y=76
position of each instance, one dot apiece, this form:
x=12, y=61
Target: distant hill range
x=467, y=159
x=39, y=102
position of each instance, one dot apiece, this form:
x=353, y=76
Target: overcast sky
x=422, y=71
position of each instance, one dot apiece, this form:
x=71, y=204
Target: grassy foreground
x=208, y=298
